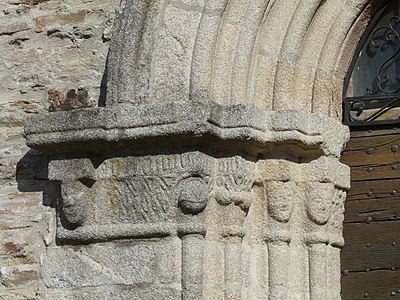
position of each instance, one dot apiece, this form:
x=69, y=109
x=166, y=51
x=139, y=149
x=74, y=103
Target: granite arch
x=235, y=52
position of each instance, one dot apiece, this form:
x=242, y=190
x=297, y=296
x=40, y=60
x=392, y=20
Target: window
x=372, y=87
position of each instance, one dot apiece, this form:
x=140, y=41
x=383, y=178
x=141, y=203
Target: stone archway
x=213, y=170
x=274, y=54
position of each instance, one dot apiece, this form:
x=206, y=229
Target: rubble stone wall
x=53, y=55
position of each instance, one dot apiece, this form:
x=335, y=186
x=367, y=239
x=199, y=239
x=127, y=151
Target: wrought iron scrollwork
x=373, y=83
x=382, y=37
x=359, y=109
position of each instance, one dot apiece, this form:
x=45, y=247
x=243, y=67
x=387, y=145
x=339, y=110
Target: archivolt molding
x=277, y=54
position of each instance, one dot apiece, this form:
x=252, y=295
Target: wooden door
x=371, y=256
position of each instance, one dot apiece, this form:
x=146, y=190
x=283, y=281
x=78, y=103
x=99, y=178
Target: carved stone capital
x=237, y=186
x=192, y=195
x=281, y=199
x=319, y=201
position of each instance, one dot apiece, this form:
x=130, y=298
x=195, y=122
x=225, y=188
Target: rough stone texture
x=243, y=124
x=274, y=216
x=246, y=85
x=99, y=265
x=275, y=54
x=269, y=196
x=48, y=48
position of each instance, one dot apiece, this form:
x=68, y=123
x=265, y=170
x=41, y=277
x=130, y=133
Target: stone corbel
x=77, y=178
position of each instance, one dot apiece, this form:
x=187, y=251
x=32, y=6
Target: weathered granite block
x=132, y=196
x=280, y=171
x=143, y=293
x=98, y=265
x=87, y=293
x=169, y=262
x=243, y=127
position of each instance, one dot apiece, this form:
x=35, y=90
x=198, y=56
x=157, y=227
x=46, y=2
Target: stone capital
x=251, y=186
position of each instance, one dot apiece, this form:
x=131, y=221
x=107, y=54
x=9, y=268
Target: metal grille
x=372, y=86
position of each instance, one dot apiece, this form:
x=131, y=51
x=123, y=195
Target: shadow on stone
x=32, y=176
x=103, y=87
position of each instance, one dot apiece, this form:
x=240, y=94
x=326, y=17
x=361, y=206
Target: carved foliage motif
x=139, y=190
x=234, y=189
x=133, y=189
x=234, y=182
x=145, y=198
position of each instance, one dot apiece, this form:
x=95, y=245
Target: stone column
x=280, y=198
x=168, y=192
